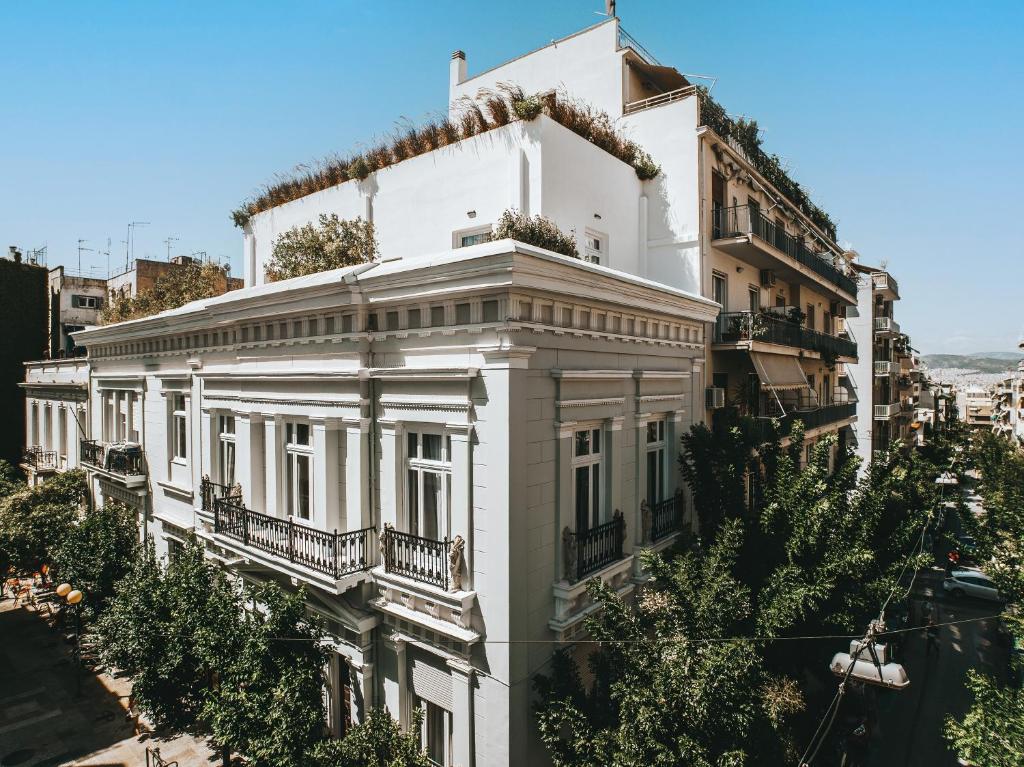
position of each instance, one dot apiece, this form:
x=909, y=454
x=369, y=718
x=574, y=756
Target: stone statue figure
x=455, y=562
x=384, y=543
x=569, y=555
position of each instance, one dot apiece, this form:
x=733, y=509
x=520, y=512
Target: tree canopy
x=331, y=244
x=35, y=520
x=180, y=285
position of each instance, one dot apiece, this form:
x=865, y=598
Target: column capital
x=460, y=667
x=615, y=422
x=564, y=429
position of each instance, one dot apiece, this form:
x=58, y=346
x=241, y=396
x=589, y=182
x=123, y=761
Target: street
x=909, y=727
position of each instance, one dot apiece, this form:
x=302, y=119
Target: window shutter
x=430, y=679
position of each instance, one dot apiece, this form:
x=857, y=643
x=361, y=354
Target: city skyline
x=173, y=116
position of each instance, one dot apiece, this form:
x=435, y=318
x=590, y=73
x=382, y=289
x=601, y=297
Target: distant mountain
x=997, y=362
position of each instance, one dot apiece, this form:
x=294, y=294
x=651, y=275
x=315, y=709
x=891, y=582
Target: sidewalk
x=46, y=721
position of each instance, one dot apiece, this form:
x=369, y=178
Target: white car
x=971, y=583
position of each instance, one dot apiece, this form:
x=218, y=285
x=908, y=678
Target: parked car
x=972, y=583
x=967, y=546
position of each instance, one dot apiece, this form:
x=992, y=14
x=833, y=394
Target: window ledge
x=174, y=489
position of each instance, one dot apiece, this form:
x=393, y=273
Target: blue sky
x=903, y=118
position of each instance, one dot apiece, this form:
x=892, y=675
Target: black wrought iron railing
x=117, y=459
x=422, y=559
x=331, y=553
x=823, y=415
x=91, y=452
x=747, y=219
x=733, y=327
x=210, y=492
x=587, y=551
x=666, y=516
x=39, y=459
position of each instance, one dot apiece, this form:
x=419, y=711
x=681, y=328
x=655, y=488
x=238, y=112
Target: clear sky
x=905, y=119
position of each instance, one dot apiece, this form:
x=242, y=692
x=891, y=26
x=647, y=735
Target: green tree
x=313, y=248
x=665, y=689
x=992, y=732
x=270, y=706
x=97, y=552
x=34, y=521
x=376, y=742
x=177, y=287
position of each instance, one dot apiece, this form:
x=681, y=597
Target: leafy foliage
x=376, y=742
x=34, y=521
x=535, y=230
x=177, y=287
x=270, y=703
x=490, y=110
x=97, y=552
x=332, y=244
x=992, y=733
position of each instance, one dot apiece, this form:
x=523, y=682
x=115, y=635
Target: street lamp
x=74, y=598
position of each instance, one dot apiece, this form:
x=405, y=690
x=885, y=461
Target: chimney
x=457, y=69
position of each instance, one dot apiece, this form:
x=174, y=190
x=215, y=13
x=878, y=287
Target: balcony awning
x=779, y=371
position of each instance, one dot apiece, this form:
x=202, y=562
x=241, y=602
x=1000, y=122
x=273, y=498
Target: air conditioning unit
x=714, y=397
x=767, y=278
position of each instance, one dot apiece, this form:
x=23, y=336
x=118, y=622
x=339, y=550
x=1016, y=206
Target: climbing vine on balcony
x=747, y=136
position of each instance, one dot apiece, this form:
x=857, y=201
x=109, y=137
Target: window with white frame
x=464, y=238
x=655, y=461
x=226, y=449
x=298, y=456
x=595, y=246
x=586, y=467
x=35, y=424
x=47, y=441
x=435, y=732
x=119, y=416
x=179, y=428
x=429, y=483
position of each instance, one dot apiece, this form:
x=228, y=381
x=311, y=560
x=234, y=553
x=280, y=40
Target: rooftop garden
x=746, y=135
x=491, y=110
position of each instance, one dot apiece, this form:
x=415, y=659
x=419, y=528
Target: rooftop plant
x=313, y=248
x=747, y=135
x=177, y=287
x=492, y=109
x=535, y=230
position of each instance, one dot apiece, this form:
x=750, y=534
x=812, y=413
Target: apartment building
x=75, y=303
x=976, y=407
x=56, y=415
x=1008, y=406
x=444, y=445
x=142, y=274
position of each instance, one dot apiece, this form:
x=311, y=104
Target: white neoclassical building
x=444, y=445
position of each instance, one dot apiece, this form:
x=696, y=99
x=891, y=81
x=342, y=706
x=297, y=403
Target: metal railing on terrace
x=884, y=281
x=886, y=325
x=662, y=98
x=740, y=220
x=422, y=559
x=764, y=326
x=884, y=367
x=334, y=554
x=210, y=492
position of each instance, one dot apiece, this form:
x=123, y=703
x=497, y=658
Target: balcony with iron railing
x=210, y=492
x=884, y=283
x=662, y=518
x=124, y=462
x=886, y=326
x=885, y=368
x=330, y=554
x=741, y=226
x=587, y=551
x=412, y=556
x=768, y=327
x=39, y=461
x=886, y=412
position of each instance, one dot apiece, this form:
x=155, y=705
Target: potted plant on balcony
x=829, y=357
x=796, y=316
x=734, y=329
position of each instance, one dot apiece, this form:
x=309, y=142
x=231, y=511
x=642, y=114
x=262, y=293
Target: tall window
x=62, y=433
x=47, y=442
x=179, y=428
x=119, y=418
x=226, y=456
x=435, y=732
x=754, y=296
x=718, y=290
x=595, y=245
x=35, y=425
x=655, y=461
x=298, y=453
x=810, y=317
x=429, y=478
x=586, y=460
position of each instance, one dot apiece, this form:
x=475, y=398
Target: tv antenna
x=80, y=249
x=170, y=238
x=129, y=248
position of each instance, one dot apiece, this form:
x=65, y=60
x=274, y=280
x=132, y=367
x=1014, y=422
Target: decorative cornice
x=570, y=403
x=590, y=375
